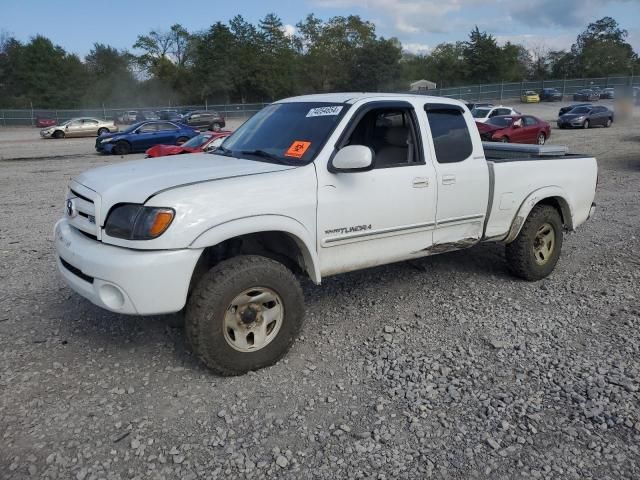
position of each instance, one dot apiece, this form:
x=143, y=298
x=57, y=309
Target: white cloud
x=289, y=30
x=416, y=48
x=534, y=41
x=408, y=16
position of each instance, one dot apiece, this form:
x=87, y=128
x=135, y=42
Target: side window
x=530, y=121
x=495, y=113
x=451, y=138
x=90, y=122
x=166, y=127
x=390, y=133
x=148, y=128
x=503, y=111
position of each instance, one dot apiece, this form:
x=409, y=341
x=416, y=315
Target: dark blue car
x=143, y=135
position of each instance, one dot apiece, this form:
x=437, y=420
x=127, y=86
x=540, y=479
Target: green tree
x=602, y=49
x=483, y=57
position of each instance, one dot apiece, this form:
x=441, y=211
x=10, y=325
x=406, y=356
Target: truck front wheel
x=244, y=314
x=535, y=251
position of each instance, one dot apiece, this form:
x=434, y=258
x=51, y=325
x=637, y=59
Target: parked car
x=530, y=97
x=42, y=121
x=482, y=114
x=129, y=117
x=229, y=237
x=550, y=95
x=515, y=129
x=586, y=116
x=568, y=108
x=608, y=93
x=80, y=127
x=586, y=95
x=173, y=115
x=141, y=136
x=148, y=115
x=205, y=119
x=471, y=106
x=203, y=142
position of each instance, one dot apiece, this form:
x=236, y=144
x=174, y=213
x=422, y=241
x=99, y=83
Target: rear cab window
x=450, y=133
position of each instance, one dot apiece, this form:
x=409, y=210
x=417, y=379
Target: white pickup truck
x=309, y=186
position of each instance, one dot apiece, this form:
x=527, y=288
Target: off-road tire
x=520, y=253
x=58, y=134
x=212, y=296
x=122, y=148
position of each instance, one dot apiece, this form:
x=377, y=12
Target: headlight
x=137, y=222
x=107, y=140
x=579, y=119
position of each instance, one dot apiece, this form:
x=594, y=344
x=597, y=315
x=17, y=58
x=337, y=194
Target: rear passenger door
x=167, y=134
x=462, y=175
x=530, y=129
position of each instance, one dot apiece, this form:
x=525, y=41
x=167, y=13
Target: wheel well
x=562, y=207
x=278, y=246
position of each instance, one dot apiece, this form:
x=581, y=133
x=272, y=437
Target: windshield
x=480, y=112
x=500, y=121
x=580, y=110
x=290, y=133
x=198, y=140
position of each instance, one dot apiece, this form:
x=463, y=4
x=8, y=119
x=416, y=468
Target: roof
x=353, y=97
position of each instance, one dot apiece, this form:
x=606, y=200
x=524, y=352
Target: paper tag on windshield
x=324, y=111
x=297, y=149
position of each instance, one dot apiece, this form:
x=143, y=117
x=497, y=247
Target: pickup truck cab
x=309, y=186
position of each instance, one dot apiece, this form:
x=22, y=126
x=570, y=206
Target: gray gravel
x=445, y=367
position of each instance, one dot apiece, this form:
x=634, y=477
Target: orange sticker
x=297, y=149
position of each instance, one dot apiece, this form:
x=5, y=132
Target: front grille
x=76, y=271
x=83, y=214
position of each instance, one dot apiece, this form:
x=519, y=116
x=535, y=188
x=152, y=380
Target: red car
x=44, y=122
x=515, y=129
x=200, y=143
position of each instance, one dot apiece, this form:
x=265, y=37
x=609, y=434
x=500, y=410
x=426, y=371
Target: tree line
x=243, y=62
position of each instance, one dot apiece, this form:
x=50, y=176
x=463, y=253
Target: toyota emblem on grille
x=71, y=208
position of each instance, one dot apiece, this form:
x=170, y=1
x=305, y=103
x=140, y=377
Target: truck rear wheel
x=534, y=253
x=244, y=314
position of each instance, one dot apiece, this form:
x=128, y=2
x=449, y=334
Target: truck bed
x=513, y=152
x=518, y=176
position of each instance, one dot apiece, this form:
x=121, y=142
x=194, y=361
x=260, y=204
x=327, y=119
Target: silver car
x=79, y=127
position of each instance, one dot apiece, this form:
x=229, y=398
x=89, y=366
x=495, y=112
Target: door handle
x=448, y=179
x=420, y=182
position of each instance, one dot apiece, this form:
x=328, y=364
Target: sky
x=419, y=24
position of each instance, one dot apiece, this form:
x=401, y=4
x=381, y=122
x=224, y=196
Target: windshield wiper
x=222, y=151
x=263, y=154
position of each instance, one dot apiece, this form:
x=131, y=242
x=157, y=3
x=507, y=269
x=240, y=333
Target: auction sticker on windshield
x=324, y=111
x=297, y=149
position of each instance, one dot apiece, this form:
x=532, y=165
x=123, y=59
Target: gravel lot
x=447, y=367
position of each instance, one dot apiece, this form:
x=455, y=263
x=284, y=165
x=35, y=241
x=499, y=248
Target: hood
x=487, y=127
x=136, y=181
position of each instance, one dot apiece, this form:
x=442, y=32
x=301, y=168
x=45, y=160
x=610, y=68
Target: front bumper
x=123, y=280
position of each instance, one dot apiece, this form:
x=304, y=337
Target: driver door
x=385, y=214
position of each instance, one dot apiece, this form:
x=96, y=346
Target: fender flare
x=553, y=192
x=265, y=223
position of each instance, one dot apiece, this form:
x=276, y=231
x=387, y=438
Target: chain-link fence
x=27, y=117
x=469, y=93
x=512, y=90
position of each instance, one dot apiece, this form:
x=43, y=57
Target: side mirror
x=352, y=158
